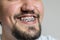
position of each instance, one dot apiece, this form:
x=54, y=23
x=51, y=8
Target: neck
x=6, y=34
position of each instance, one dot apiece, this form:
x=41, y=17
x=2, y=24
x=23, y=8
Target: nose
x=27, y=6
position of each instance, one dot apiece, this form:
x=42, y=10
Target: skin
x=10, y=8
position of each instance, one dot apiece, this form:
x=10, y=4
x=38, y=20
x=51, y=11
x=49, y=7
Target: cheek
x=39, y=7
x=11, y=9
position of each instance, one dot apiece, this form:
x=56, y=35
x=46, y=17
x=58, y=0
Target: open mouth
x=27, y=18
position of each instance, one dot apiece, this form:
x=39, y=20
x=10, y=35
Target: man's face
x=22, y=17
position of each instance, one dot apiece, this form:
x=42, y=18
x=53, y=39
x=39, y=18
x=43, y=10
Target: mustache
x=27, y=12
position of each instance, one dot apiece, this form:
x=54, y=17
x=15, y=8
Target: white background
x=51, y=21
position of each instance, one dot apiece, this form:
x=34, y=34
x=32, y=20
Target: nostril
x=27, y=11
x=24, y=11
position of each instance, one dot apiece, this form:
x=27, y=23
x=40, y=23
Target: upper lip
x=27, y=15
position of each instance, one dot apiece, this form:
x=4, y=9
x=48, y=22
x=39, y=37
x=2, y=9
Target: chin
x=28, y=35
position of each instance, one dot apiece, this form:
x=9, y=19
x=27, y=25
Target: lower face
x=24, y=24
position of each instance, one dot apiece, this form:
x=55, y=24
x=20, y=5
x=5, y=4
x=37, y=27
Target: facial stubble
x=19, y=35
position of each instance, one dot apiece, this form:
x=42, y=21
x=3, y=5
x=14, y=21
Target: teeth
x=27, y=19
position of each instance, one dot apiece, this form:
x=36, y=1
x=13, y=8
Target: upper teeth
x=27, y=19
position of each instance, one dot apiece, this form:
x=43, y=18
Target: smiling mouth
x=27, y=18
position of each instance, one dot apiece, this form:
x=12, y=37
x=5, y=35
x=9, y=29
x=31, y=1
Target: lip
x=27, y=15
